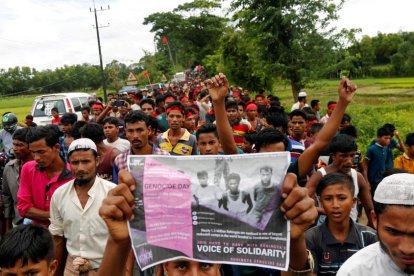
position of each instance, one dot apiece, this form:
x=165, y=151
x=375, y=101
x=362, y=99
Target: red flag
x=199, y=68
x=146, y=74
x=164, y=40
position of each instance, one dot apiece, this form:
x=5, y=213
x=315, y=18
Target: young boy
x=406, y=161
x=376, y=158
x=27, y=250
x=55, y=114
x=111, y=131
x=338, y=238
x=205, y=194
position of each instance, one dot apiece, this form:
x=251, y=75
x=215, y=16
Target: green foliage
x=293, y=38
x=191, y=30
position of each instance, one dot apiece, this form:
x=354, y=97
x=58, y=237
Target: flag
x=164, y=40
x=146, y=74
x=199, y=68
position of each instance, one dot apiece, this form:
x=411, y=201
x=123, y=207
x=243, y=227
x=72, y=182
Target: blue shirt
x=377, y=156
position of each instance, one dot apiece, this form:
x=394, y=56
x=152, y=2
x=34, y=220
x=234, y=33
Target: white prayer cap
x=82, y=143
x=302, y=94
x=396, y=189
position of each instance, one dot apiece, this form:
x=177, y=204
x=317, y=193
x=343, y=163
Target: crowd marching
x=66, y=193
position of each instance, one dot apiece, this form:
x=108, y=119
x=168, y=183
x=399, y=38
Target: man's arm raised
x=218, y=88
x=346, y=91
x=116, y=208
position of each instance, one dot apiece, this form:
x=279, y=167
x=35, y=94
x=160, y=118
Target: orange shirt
x=404, y=162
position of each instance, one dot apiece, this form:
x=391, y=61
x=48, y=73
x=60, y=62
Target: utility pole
x=99, y=46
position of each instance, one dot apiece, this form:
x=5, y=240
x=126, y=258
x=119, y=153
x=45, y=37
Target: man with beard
x=78, y=230
x=40, y=178
x=393, y=217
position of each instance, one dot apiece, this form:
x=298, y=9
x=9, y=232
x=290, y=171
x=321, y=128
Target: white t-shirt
x=297, y=106
x=371, y=260
x=121, y=144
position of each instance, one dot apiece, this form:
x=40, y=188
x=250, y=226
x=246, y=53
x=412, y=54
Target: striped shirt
x=121, y=160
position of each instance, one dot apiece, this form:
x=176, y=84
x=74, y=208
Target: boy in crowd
x=148, y=106
x=205, y=194
x=235, y=200
x=316, y=107
x=239, y=125
x=177, y=140
x=66, y=122
x=86, y=113
x=297, y=124
x=376, y=158
x=392, y=145
x=339, y=237
x=27, y=250
x=55, y=114
x=342, y=153
x=393, y=218
x=111, y=131
x=406, y=161
x=331, y=107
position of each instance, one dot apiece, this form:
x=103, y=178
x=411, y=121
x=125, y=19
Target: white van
x=179, y=77
x=64, y=102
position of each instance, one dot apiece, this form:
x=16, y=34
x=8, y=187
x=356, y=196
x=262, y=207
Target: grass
x=378, y=101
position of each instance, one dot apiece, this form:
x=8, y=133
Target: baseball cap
x=82, y=143
x=396, y=189
x=302, y=94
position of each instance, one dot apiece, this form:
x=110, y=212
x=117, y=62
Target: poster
x=222, y=209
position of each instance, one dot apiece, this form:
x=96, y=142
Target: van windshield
x=43, y=108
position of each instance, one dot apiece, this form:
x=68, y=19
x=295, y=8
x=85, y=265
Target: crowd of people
x=67, y=194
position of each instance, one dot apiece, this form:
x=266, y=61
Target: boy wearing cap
x=301, y=103
x=338, y=237
x=78, y=230
x=393, y=254
x=252, y=117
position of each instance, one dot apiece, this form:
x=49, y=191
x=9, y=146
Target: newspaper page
x=219, y=209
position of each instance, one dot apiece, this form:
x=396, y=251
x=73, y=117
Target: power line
x=99, y=46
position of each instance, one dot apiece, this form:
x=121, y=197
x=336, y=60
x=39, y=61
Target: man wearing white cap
x=394, y=220
x=78, y=230
x=301, y=103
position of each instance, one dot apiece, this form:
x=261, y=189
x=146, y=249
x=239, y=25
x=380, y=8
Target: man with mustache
x=78, y=230
x=137, y=130
x=393, y=218
x=40, y=178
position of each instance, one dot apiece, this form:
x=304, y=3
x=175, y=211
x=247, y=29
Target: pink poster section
x=166, y=226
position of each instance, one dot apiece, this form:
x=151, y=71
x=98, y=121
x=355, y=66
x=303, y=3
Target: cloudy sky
x=50, y=33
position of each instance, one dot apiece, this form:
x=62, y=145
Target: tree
x=191, y=30
x=294, y=38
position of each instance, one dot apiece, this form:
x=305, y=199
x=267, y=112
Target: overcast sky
x=51, y=33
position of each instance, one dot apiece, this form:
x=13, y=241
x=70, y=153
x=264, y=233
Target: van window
x=84, y=101
x=76, y=104
x=43, y=108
